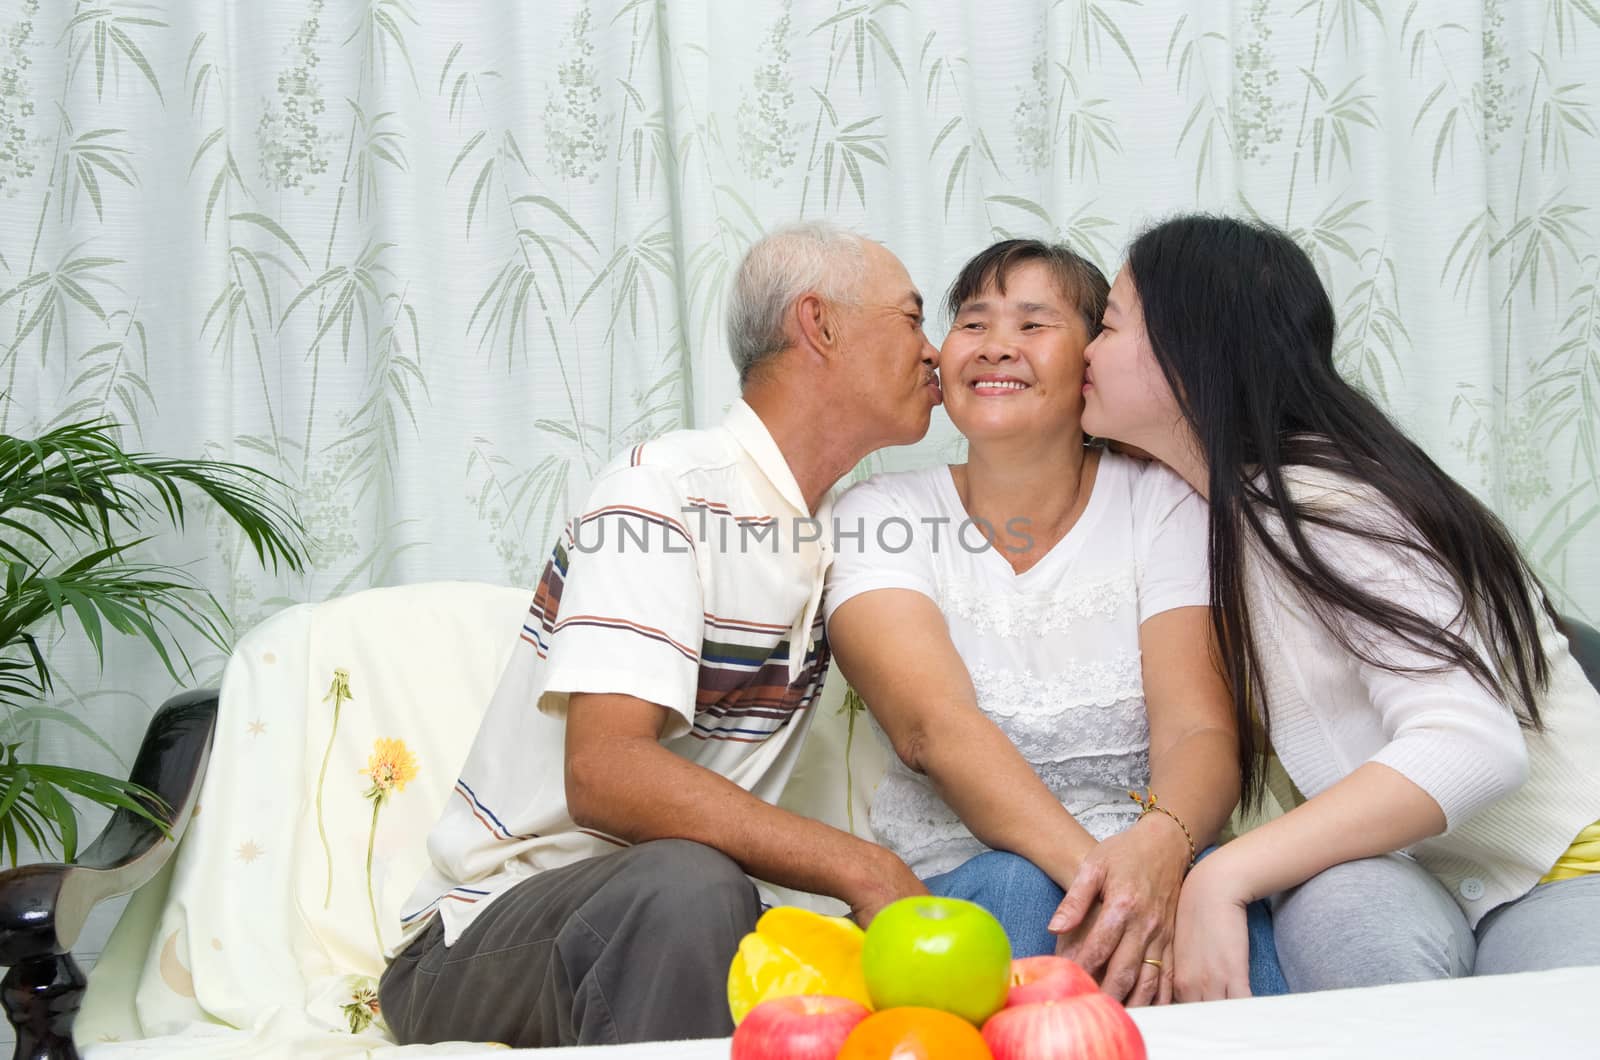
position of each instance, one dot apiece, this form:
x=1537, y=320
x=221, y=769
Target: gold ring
x=1152, y=962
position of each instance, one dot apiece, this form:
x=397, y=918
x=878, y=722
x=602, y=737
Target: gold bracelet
x=1147, y=804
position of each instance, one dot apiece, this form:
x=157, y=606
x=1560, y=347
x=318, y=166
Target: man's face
x=893, y=365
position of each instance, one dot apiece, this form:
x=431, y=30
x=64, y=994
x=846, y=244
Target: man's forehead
x=888, y=274
x=885, y=262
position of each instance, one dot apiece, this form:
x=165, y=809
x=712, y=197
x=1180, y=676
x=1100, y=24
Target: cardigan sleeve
x=1447, y=733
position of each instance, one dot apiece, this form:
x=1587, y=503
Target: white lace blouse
x=1053, y=652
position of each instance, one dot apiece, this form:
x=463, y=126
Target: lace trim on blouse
x=1083, y=729
x=1033, y=614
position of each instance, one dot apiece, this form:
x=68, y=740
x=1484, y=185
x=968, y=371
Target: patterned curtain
x=431, y=263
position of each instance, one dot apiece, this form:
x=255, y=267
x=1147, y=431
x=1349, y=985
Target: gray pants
x=627, y=947
x=1388, y=920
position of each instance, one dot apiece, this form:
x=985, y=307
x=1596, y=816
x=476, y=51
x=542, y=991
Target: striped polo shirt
x=691, y=579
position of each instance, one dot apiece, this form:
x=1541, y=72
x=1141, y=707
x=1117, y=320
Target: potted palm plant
x=74, y=508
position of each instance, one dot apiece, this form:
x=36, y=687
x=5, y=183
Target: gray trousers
x=626, y=947
x=1388, y=920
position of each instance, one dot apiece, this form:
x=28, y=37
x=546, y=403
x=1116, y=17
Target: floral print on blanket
x=391, y=766
x=362, y=1010
x=338, y=692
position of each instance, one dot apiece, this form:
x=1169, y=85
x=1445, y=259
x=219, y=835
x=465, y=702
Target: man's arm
x=920, y=692
x=621, y=781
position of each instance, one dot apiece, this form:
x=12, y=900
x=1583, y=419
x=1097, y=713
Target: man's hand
x=887, y=880
x=1213, y=939
x=1124, y=899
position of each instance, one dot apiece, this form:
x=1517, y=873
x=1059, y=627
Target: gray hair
x=781, y=266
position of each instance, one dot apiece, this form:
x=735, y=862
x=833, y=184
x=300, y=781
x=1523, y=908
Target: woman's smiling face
x=1012, y=365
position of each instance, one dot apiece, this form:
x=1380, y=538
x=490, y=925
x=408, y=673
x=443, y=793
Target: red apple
x=797, y=1027
x=1035, y=979
x=1087, y=1027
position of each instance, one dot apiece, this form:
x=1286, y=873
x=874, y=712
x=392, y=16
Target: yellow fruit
x=795, y=951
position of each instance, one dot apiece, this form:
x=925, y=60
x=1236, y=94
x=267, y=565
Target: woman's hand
x=1213, y=940
x=1121, y=910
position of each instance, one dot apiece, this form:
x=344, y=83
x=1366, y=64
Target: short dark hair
x=1078, y=278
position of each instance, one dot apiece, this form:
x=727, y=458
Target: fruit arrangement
x=931, y=979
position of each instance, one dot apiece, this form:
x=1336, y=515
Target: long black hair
x=1243, y=330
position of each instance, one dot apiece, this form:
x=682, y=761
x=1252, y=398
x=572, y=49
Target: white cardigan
x=1514, y=799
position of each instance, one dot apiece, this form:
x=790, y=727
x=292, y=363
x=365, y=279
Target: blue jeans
x=1023, y=898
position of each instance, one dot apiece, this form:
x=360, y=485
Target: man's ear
x=819, y=328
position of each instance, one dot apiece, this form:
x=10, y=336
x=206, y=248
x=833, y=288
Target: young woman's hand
x=1117, y=919
x=1212, y=945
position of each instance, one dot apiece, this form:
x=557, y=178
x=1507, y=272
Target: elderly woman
x=1031, y=633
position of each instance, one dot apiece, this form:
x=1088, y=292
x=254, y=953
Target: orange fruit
x=912, y=1033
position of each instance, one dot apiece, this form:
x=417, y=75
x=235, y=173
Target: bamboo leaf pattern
x=114, y=375
x=1536, y=244
x=72, y=282
x=111, y=36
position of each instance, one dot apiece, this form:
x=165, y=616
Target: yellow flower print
x=391, y=767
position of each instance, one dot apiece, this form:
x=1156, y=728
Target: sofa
x=258, y=925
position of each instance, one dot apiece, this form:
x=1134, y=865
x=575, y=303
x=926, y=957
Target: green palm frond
x=74, y=510
x=78, y=478
x=34, y=805
x=101, y=589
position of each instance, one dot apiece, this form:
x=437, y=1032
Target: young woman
x=1030, y=630
x=1377, y=622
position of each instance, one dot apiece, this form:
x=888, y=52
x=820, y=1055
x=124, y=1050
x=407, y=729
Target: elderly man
x=589, y=877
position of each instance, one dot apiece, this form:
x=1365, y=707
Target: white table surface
x=1539, y=1014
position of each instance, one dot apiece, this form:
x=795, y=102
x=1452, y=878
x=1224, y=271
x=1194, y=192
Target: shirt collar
x=753, y=436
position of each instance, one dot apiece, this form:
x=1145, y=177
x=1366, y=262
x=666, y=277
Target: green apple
x=942, y=953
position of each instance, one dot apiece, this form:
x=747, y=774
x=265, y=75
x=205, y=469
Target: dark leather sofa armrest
x=43, y=907
x=1585, y=644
